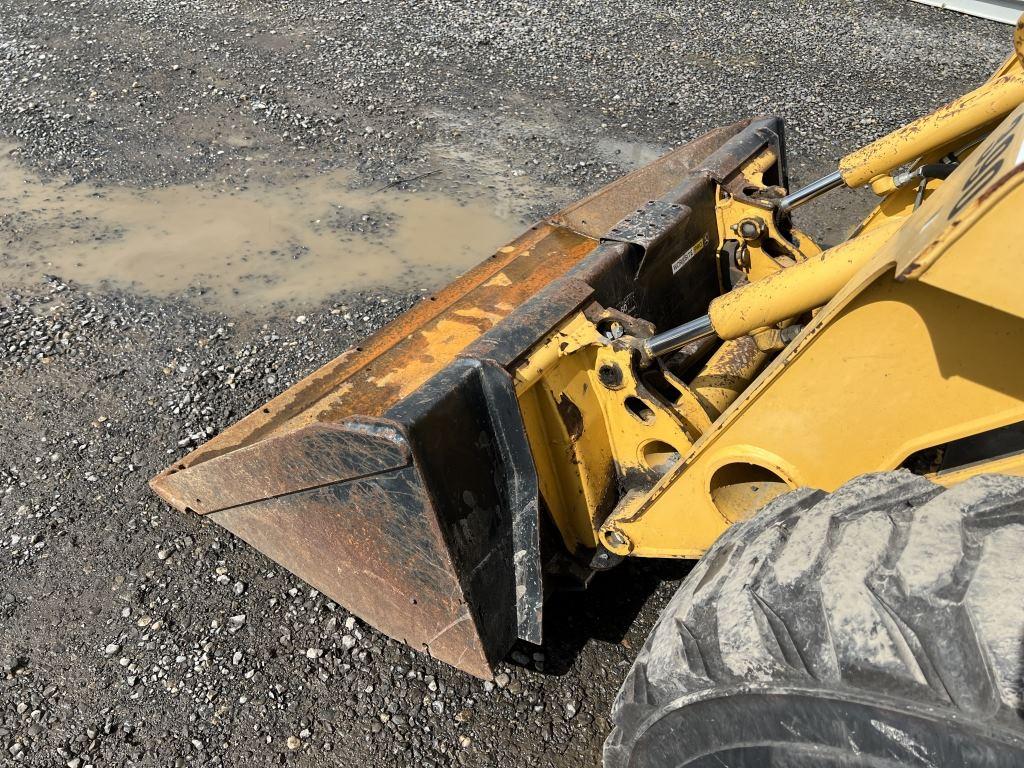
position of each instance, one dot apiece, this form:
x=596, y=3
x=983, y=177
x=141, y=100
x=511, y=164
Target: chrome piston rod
x=814, y=189
x=676, y=338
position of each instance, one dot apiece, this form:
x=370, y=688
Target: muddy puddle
x=292, y=244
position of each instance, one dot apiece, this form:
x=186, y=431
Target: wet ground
x=285, y=245
x=201, y=202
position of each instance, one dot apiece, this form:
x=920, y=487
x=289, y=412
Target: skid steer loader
x=671, y=368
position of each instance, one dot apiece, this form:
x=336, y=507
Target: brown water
x=293, y=243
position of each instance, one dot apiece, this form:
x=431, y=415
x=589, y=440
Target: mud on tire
x=880, y=625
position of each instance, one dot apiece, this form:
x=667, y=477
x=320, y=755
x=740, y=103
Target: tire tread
x=873, y=588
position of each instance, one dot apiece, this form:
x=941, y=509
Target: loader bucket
x=397, y=479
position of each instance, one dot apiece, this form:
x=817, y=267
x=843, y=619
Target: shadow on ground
x=606, y=610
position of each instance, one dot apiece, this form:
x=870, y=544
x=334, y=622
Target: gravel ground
x=152, y=92
x=131, y=635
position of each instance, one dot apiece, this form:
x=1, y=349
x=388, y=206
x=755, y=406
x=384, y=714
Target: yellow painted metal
x=793, y=291
x=960, y=118
x=900, y=203
x=1018, y=40
x=731, y=211
x=908, y=344
x=586, y=436
x=897, y=203
x=995, y=173
x=919, y=348
x=592, y=442
x=830, y=413
x=754, y=170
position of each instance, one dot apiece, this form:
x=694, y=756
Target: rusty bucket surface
x=397, y=479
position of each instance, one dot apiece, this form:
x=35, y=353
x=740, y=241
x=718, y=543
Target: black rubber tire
x=880, y=625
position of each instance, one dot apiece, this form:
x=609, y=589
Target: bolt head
x=751, y=229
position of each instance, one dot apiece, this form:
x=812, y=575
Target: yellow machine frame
x=897, y=342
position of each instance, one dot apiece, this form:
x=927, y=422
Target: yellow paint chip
x=500, y=280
